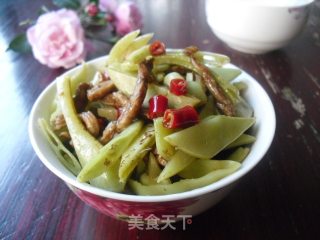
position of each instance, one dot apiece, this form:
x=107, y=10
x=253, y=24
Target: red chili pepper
x=157, y=48
x=180, y=118
x=178, y=86
x=157, y=106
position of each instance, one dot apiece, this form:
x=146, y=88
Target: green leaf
x=98, y=21
x=73, y=4
x=43, y=10
x=20, y=44
x=26, y=22
x=113, y=40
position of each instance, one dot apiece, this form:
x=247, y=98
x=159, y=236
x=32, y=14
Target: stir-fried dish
x=151, y=121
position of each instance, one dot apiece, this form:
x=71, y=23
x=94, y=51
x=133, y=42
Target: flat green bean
x=117, y=53
x=139, y=55
x=227, y=74
x=110, y=152
x=139, y=42
x=164, y=149
x=136, y=151
x=182, y=185
x=239, y=154
x=124, y=81
x=210, y=136
x=180, y=60
x=201, y=167
x=85, y=145
x=63, y=154
x=208, y=109
x=242, y=140
x=178, y=162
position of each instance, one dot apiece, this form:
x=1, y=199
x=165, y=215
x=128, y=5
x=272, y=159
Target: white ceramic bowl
x=193, y=202
x=257, y=26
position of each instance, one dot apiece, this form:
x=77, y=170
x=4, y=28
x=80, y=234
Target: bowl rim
x=216, y=186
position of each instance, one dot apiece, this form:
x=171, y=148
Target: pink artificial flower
x=108, y=5
x=128, y=18
x=92, y=9
x=57, y=39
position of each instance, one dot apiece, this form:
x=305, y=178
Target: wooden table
x=280, y=199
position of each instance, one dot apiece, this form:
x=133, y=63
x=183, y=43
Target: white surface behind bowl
x=254, y=26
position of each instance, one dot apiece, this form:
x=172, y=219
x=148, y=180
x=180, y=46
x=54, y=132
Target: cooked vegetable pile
x=151, y=121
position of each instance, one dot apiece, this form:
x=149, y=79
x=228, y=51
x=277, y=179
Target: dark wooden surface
x=280, y=199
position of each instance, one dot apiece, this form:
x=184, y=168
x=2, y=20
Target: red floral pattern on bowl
x=124, y=209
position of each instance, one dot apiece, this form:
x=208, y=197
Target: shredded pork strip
x=80, y=98
x=132, y=108
x=100, y=90
x=91, y=123
x=222, y=101
x=116, y=99
x=59, y=122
